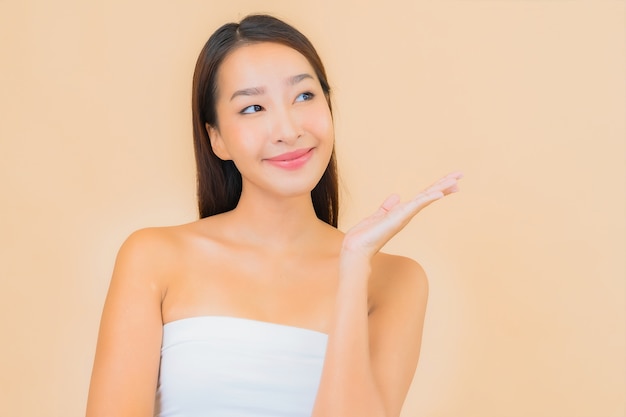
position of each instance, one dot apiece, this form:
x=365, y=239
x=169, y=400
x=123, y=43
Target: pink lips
x=291, y=160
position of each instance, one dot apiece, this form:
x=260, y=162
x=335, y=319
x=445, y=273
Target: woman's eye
x=305, y=97
x=251, y=109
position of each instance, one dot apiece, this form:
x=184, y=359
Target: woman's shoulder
x=170, y=237
x=158, y=247
x=161, y=238
x=393, y=276
x=399, y=266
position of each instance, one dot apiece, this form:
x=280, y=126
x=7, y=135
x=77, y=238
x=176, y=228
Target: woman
x=262, y=307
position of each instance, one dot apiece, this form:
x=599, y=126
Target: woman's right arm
x=126, y=366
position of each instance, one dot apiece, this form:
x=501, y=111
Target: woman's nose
x=285, y=126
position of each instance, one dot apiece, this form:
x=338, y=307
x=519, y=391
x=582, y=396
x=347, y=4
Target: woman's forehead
x=257, y=64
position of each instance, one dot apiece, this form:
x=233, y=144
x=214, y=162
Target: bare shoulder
x=149, y=246
x=395, y=279
x=151, y=241
x=151, y=254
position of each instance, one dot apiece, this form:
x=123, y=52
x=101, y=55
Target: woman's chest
x=297, y=291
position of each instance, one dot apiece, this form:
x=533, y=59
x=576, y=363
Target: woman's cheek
x=323, y=122
x=250, y=136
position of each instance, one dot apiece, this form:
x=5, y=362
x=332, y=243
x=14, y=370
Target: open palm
x=371, y=234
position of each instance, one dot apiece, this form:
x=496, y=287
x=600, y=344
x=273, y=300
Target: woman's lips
x=291, y=160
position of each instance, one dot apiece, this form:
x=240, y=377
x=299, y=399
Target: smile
x=291, y=160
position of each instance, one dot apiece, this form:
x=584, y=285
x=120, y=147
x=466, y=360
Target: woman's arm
x=371, y=355
x=125, y=371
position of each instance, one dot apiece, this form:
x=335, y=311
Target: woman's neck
x=275, y=222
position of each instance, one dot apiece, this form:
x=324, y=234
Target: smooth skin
x=271, y=259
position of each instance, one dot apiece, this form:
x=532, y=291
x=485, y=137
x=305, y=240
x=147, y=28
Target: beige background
x=527, y=265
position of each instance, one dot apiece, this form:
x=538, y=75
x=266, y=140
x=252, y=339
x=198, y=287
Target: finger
x=389, y=203
x=427, y=196
x=456, y=174
x=447, y=184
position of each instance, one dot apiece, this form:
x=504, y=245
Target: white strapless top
x=234, y=367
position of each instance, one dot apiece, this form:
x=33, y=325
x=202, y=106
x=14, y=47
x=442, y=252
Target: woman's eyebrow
x=297, y=78
x=253, y=91
x=257, y=91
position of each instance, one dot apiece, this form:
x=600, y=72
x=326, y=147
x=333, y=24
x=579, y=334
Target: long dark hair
x=219, y=182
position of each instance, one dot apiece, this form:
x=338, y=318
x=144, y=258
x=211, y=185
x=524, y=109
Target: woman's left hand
x=366, y=238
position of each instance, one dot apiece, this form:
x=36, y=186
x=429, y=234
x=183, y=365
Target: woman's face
x=273, y=119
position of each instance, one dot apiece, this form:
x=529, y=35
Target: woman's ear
x=217, y=143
